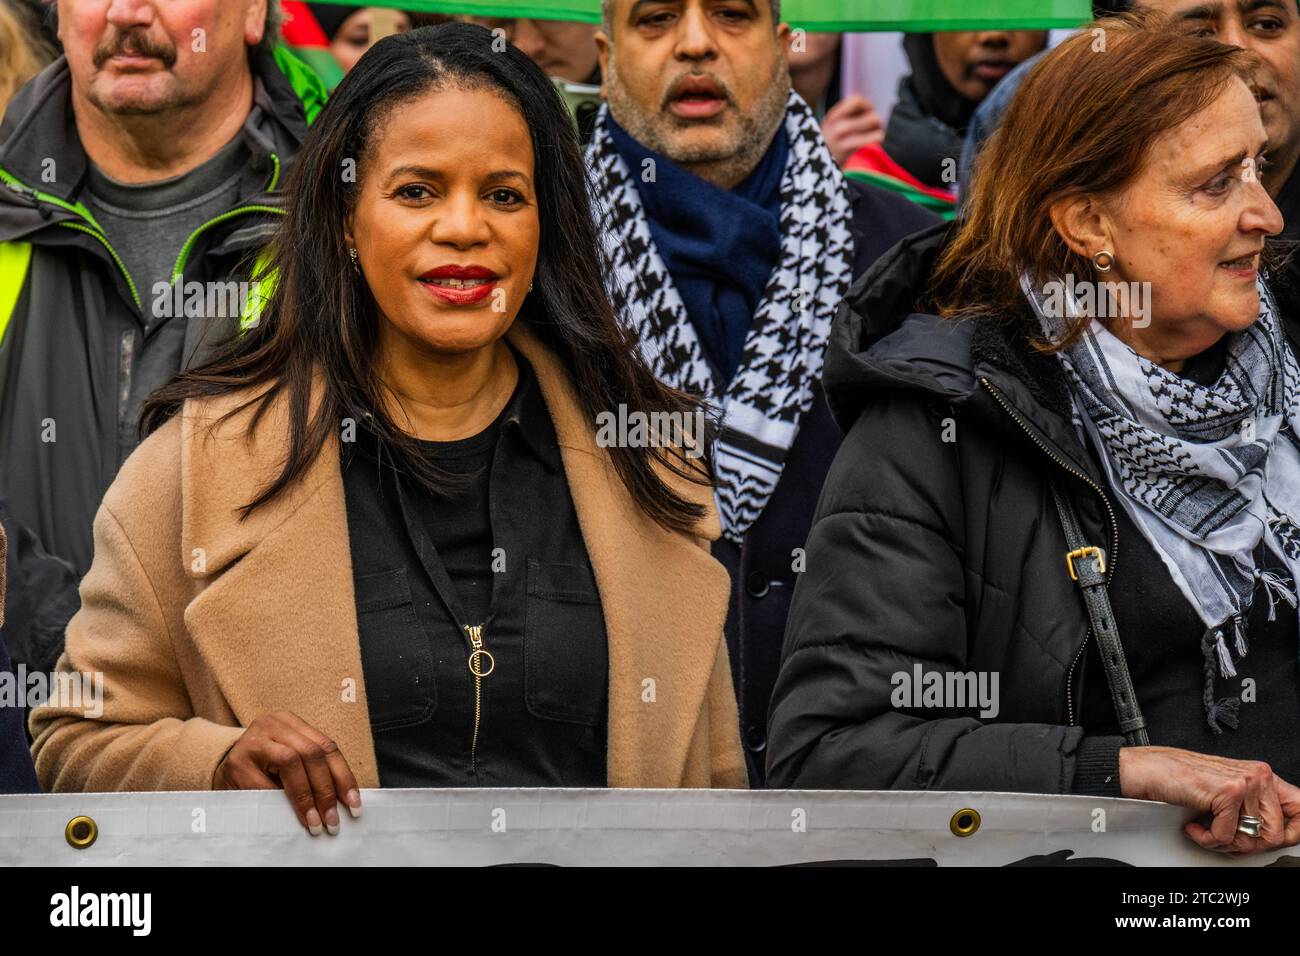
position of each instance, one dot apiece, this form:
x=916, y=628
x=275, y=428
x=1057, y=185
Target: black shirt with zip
x=504, y=552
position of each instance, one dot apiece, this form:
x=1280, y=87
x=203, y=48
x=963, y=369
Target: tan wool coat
x=201, y=622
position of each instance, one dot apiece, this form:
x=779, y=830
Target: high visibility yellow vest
x=15, y=257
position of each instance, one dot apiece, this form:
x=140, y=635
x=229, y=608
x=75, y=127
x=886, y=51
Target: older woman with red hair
x=1058, y=549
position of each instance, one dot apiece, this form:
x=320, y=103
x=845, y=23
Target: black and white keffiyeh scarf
x=1207, y=472
x=784, y=350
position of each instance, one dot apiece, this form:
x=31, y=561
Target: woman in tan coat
x=396, y=535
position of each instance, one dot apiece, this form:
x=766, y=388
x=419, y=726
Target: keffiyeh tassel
x=1225, y=710
x=1275, y=588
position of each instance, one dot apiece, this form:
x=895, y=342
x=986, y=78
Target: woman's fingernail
x=354, y=804
x=313, y=822
x=332, y=821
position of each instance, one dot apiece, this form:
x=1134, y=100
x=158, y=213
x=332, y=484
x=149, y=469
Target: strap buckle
x=1086, y=552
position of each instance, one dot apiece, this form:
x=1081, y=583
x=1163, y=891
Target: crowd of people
x=456, y=425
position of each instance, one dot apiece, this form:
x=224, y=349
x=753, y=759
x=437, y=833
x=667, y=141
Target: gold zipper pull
x=481, y=661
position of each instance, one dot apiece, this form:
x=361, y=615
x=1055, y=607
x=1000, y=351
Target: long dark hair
x=321, y=316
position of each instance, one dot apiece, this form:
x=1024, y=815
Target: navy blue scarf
x=719, y=246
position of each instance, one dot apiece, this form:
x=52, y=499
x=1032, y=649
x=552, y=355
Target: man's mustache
x=134, y=42
x=674, y=88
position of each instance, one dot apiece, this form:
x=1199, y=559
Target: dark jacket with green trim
x=937, y=546
x=74, y=362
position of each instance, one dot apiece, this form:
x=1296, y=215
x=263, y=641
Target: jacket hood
x=39, y=129
x=928, y=123
x=880, y=342
x=987, y=367
x=936, y=97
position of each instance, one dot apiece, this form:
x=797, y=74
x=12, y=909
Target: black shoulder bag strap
x=1087, y=567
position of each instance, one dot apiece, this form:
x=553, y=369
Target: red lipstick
x=459, y=285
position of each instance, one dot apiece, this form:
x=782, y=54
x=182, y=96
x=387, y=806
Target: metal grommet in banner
x=965, y=822
x=81, y=832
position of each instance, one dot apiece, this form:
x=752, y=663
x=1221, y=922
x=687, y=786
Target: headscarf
x=935, y=95
x=928, y=123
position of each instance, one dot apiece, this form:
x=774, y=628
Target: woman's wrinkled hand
x=1222, y=788
x=280, y=750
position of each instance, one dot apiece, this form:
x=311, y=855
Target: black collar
x=527, y=416
x=1010, y=370
x=524, y=417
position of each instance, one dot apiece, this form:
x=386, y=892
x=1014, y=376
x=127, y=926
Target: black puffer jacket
x=947, y=554
x=937, y=545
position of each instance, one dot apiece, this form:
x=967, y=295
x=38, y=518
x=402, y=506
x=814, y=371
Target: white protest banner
x=608, y=828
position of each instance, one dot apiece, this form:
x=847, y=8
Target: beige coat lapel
x=276, y=623
x=663, y=595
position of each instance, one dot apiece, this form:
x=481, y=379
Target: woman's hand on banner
x=280, y=750
x=1226, y=789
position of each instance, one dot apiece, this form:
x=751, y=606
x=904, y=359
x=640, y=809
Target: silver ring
x=1249, y=825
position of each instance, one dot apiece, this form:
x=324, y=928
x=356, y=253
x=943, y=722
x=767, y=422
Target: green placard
x=835, y=16
x=584, y=10
x=922, y=16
